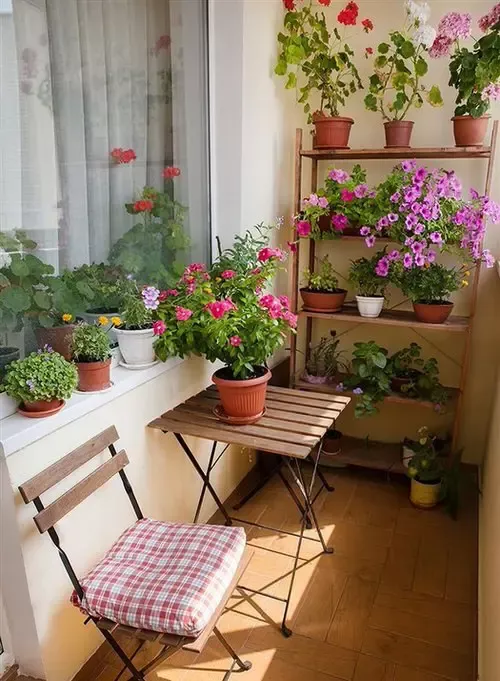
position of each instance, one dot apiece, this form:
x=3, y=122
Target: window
x=99, y=97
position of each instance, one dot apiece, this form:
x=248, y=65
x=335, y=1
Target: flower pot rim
x=444, y=303
x=102, y=311
x=468, y=116
x=399, y=123
x=328, y=293
x=328, y=119
x=428, y=483
x=135, y=331
x=370, y=297
x=238, y=382
x=8, y=350
x=93, y=365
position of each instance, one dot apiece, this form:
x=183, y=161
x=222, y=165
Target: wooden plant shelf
x=403, y=318
x=396, y=153
x=395, y=398
x=382, y=456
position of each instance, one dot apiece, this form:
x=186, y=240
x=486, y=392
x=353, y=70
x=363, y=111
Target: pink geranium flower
x=284, y=300
x=292, y=246
x=303, y=228
x=291, y=318
x=182, y=314
x=217, y=309
x=228, y=274
x=347, y=195
x=159, y=327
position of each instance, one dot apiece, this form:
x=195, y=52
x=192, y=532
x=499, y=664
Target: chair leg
x=244, y=666
x=136, y=674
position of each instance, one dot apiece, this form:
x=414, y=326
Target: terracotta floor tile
x=399, y=569
x=446, y=612
x=370, y=668
x=431, y=567
x=316, y=613
x=350, y=620
x=406, y=674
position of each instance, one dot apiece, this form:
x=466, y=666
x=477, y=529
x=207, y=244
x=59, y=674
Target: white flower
x=419, y=12
x=425, y=35
x=5, y=258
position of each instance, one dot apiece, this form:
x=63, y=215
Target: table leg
x=204, y=488
x=295, y=498
x=204, y=476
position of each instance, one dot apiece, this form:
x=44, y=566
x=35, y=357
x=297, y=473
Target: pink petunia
x=292, y=245
x=347, y=195
x=284, y=300
x=217, y=309
x=303, y=228
x=267, y=253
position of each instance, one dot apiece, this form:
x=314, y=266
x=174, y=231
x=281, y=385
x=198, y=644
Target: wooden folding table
x=294, y=423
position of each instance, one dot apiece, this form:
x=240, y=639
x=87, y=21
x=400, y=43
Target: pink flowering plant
x=475, y=70
x=371, y=276
x=224, y=313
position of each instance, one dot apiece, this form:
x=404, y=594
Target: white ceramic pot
x=370, y=306
x=136, y=346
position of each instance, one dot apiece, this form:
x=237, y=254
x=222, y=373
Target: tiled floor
x=395, y=602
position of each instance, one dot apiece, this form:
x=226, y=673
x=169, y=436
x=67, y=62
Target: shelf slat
x=396, y=153
x=390, y=318
x=395, y=398
x=381, y=456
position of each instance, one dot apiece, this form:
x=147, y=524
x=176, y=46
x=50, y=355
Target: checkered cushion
x=164, y=577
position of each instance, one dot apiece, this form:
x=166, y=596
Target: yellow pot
x=424, y=495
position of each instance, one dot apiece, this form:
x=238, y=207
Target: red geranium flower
x=120, y=155
x=326, y=3
x=143, y=206
x=367, y=25
x=171, y=171
x=368, y=51
x=349, y=14
x=289, y=5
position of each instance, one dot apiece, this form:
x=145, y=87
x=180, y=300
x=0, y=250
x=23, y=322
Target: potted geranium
x=474, y=71
x=92, y=355
x=135, y=334
x=321, y=292
x=371, y=278
x=315, y=58
x=426, y=470
x=324, y=361
x=225, y=315
x=41, y=382
x=396, y=84
x=429, y=289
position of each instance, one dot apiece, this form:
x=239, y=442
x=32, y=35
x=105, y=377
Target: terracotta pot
x=94, y=376
x=332, y=132
x=332, y=443
x=41, y=405
x=431, y=313
x=398, y=382
x=58, y=337
x=319, y=301
x=425, y=494
x=242, y=399
x=398, y=133
x=325, y=226
x=469, y=131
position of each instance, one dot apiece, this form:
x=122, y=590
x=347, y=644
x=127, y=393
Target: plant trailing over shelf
x=369, y=379
x=325, y=360
x=396, y=84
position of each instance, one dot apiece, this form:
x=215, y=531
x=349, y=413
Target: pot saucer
x=138, y=367
x=41, y=414
x=95, y=392
x=218, y=410
x=319, y=309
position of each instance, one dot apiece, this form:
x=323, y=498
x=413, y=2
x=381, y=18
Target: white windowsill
x=17, y=431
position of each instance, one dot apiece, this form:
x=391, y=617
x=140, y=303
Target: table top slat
x=286, y=404
x=319, y=397
x=229, y=435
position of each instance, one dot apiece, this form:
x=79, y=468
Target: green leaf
x=15, y=298
x=380, y=61
x=280, y=68
x=434, y=96
x=407, y=49
x=400, y=80
x=380, y=360
x=4, y=281
x=45, y=320
x=291, y=81
x=398, y=39
x=421, y=67
x=42, y=299
x=383, y=48
x=371, y=102
x=400, y=102
x=19, y=267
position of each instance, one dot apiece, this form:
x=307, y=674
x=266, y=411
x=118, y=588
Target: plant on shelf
x=41, y=382
x=474, y=71
x=368, y=379
x=325, y=361
x=426, y=470
x=149, y=250
x=92, y=354
x=429, y=289
x=136, y=334
x=321, y=292
x=226, y=316
x=371, y=277
x=316, y=59
x=396, y=84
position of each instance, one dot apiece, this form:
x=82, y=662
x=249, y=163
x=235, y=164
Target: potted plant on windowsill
x=224, y=315
x=321, y=292
x=396, y=84
x=136, y=335
x=371, y=278
x=315, y=58
x=474, y=72
x=92, y=355
x=324, y=361
x=41, y=382
x=426, y=471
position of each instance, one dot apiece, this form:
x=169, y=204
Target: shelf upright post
x=475, y=286
x=312, y=252
x=297, y=195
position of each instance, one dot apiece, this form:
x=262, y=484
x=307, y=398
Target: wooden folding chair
x=48, y=516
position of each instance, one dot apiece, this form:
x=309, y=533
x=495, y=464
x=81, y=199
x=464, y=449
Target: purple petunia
x=339, y=176
x=357, y=391
x=382, y=267
x=409, y=240
x=370, y=241
x=436, y=238
x=364, y=231
x=393, y=217
x=417, y=247
x=420, y=174
x=431, y=256
x=396, y=197
x=408, y=166
x=411, y=221
x=419, y=228
x=407, y=260
x=394, y=255
x=360, y=191
x=340, y=387
x=419, y=260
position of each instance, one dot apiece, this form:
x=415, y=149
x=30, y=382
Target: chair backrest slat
x=69, y=500
x=59, y=470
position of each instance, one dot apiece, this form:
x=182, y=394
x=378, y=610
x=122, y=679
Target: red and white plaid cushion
x=164, y=577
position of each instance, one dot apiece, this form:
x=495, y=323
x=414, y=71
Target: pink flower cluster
x=491, y=92
x=193, y=274
x=268, y=253
x=159, y=327
x=315, y=200
x=220, y=307
x=455, y=25
x=338, y=175
x=303, y=228
x=490, y=19
x=182, y=314
x=279, y=308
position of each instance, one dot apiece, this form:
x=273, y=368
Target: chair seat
x=164, y=577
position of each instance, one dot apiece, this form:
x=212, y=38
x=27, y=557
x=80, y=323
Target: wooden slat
x=397, y=153
x=268, y=421
x=284, y=402
x=334, y=400
x=221, y=433
x=61, y=469
x=83, y=489
x=305, y=418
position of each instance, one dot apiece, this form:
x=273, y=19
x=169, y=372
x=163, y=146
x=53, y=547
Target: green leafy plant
x=423, y=375
x=242, y=256
x=396, y=84
x=90, y=343
x=363, y=274
x=324, y=280
x=325, y=359
x=369, y=379
x=474, y=71
x=313, y=58
x=222, y=314
x=43, y=375
x=432, y=284
x=149, y=250
x=427, y=464
x=102, y=287
x=136, y=315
